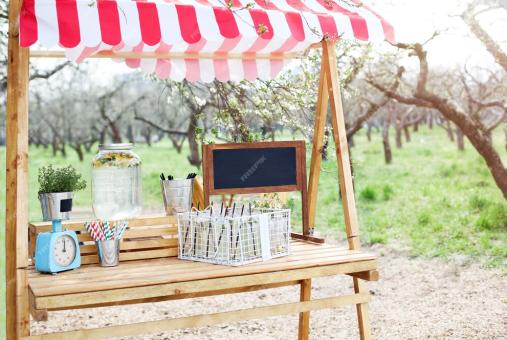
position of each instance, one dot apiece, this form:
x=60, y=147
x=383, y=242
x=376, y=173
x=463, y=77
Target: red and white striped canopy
x=202, y=39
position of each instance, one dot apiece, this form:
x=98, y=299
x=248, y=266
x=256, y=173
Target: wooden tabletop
x=92, y=278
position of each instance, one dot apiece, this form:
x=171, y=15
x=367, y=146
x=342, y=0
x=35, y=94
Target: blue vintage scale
x=57, y=250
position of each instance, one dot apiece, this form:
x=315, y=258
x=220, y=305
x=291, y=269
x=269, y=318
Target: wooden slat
x=172, y=266
x=206, y=319
x=143, y=244
x=185, y=296
x=135, y=255
x=149, y=232
x=151, y=220
x=135, y=245
x=69, y=286
x=171, y=55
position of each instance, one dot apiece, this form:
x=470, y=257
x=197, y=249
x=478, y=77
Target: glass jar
x=116, y=182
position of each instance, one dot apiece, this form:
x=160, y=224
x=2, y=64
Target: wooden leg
x=318, y=142
x=16, y=207
x=346, y=185
x=23, y=304
x=304, y=318
x=363, y=317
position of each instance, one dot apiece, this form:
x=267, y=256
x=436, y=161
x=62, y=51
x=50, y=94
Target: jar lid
x=116, y=146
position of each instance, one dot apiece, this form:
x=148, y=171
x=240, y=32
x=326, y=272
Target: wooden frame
x=16, y=236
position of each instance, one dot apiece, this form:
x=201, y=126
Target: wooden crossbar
x=171, y=55
x=206, y=319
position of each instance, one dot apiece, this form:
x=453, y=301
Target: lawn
x=431, y=201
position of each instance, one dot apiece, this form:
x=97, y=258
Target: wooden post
x=16, y=214
x=304, y=317
x=346, y=185
x=318, y=139
x=341, y=145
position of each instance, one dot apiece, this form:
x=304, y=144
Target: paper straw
x=120, y=229
x=107, y=230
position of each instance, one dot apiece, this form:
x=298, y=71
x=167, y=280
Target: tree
x=476, y=130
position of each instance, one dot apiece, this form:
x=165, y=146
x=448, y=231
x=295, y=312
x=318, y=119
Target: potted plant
x=56, y=187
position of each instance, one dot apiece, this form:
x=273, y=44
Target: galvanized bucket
x=108, y=252
x=56, y=205
x=177, y=195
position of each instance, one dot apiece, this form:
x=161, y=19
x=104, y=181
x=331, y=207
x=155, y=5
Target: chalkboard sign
x=254, y=167
x=249, y=168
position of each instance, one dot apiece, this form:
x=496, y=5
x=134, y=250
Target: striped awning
x=197, y=40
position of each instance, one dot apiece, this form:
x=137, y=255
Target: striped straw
x=107, y=231
x=95, y=231
x=120, y=229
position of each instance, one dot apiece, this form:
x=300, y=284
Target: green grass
x=433, y=200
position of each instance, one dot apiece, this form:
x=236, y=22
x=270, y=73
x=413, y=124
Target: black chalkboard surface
x=254, y=167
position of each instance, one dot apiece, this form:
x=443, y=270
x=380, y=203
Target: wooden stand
x=24, y=290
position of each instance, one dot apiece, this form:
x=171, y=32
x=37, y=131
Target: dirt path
x=415, y=299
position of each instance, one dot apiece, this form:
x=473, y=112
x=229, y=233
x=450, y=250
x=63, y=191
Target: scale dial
x=64, y=251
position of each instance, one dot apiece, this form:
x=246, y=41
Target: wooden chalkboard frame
x=299, y=145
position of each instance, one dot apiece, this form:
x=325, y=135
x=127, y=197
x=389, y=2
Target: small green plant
x=368, y=194
x=423, y=218
x=63, y=179
x=387, y=192
x=494, y=216
x=478, y=203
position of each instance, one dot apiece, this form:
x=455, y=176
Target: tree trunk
x=388, y=156
x=115, y=133
x=325, y=146
x=398, y=129
x=476, y=134
x=407, y=133
x=54, y=145
x=241, y=131
x=505, y=132
x=368, y=133
x=193, y=158
x=130, y=133
x=63, y=150
x=450, y=132
x=460, y=140
x=79, y=150
x=147, y=135
x=102, y=139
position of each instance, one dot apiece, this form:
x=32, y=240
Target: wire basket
x=234, y=240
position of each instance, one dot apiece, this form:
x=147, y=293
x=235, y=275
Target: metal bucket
x=56, y=205
x=108, y=252
x=177, y=195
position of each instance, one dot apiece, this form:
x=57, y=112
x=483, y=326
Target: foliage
x=368, y=194
x=63, y=179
